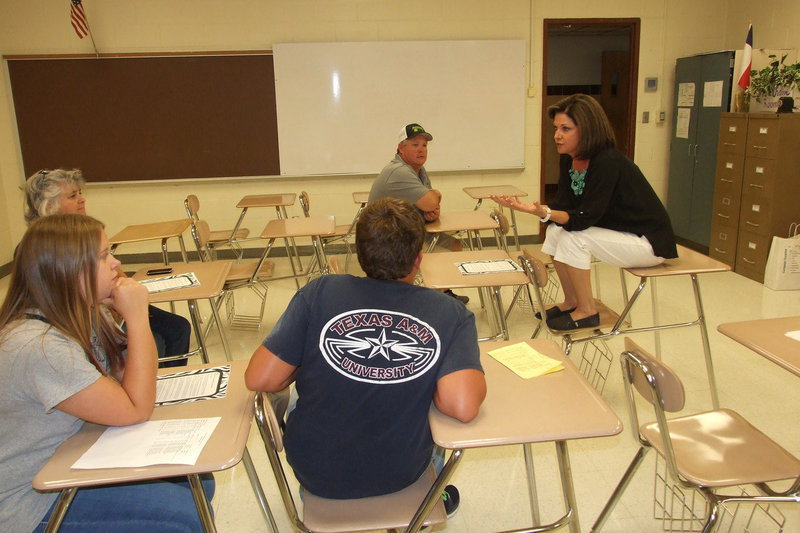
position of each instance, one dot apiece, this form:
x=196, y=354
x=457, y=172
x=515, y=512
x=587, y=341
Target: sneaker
x=463, y=299
x=451, y=500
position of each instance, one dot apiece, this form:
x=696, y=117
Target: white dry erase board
x=340, y=106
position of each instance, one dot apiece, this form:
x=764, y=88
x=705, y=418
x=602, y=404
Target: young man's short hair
x=389, y=236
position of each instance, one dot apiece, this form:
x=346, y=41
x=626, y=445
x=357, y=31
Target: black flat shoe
x=553, y=312
x=565, y=323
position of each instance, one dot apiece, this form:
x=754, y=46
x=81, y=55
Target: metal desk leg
x=223, y=337
x=498, y=310
x=198, y=331
x=565, y=470
x=164, y=251
x=701, y=320
x=239, y=222
x=435, y=492
x=183, y=249
x=653, y=301
x=60, y=510
x=532, y=493
x=200, y=501
x=259, y=491
x=514, y=227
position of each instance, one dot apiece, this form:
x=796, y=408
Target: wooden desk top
x=223, y=450
x=154, y=230
x=267, y=200
x=299, y=227
x=212, y=277
x=687, y=262
x=361, y=197
x=439, y=270
x=462, y=220
x=553, y=407
x=767, y=337
x=480, y=193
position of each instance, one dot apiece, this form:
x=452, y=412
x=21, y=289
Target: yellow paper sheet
x=526, y=362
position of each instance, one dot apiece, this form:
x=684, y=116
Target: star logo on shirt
x=380, y=345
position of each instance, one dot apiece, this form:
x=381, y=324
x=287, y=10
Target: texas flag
x=747, y=60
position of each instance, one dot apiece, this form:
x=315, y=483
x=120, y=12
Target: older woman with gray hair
x=60, y=191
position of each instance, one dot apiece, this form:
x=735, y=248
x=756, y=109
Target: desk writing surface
x=767, y=337
x=153, y=230
x=439, y=270
x=211, y=275
x=480, y=193
x=266, y=200
x=557, y=406
x=223, y=450
x=462, y=220
x=299, y=227
x=687, y=262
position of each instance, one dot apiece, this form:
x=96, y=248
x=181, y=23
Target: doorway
x=598, y=57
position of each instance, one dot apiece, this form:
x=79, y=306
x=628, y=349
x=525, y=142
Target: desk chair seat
x=216, y=238
x=704, y=452
x=390, y=511
x=242, y=274
x=596, y=357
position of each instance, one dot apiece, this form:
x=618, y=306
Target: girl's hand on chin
x=128, y=297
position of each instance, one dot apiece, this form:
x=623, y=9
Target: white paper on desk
x=170, y=283
x=496, y=266
x=192, y=385
x=157, y=442
x=793, y=335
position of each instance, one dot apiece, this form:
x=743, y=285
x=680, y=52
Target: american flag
x=78, y=18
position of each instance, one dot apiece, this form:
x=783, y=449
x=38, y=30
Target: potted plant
x=776, y=80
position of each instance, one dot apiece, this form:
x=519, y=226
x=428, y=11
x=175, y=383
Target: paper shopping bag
x=783, y=263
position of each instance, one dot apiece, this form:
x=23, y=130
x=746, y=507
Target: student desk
x=767, y=337
x=439, y=271
x=278, y=201
x=557, y=407
x=481, y=193
x=470, y=221
x=155, y=230
x=361, y=197
x=314, y=227
x=225, y=448
x=212, y=278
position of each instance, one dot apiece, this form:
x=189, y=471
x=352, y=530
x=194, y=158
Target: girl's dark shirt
x=616, y=196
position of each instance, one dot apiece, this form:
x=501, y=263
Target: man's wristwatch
x=547, y=214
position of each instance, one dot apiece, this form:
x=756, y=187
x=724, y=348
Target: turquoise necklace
x=577, y=177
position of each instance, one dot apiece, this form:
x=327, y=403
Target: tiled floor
x=492, y=481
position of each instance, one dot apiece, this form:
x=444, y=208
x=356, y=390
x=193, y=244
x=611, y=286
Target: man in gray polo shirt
x=405, y=178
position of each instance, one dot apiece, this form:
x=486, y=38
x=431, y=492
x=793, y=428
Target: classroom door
x=598, y=57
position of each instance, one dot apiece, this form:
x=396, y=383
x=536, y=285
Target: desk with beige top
x=579, y=412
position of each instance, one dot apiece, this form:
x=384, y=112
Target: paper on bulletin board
x=685, y=94
x=712, y=94
x=682, y=124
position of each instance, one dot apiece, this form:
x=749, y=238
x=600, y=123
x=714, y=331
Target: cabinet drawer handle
x=725, y=181
x=719, y=251
x=755, y=146
x=723, y=216
x=756, y=185
x=729, y=144
x=752, y=224
x=746, y=260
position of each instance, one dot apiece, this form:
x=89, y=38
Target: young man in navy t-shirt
x=368, y=355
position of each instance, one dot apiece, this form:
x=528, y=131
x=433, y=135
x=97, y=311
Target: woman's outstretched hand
x=512, y=202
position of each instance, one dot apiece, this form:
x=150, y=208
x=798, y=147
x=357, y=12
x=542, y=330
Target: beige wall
x=670, y=29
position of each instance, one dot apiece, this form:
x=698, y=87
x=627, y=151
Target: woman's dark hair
x=389, y=237
x=596, y=133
